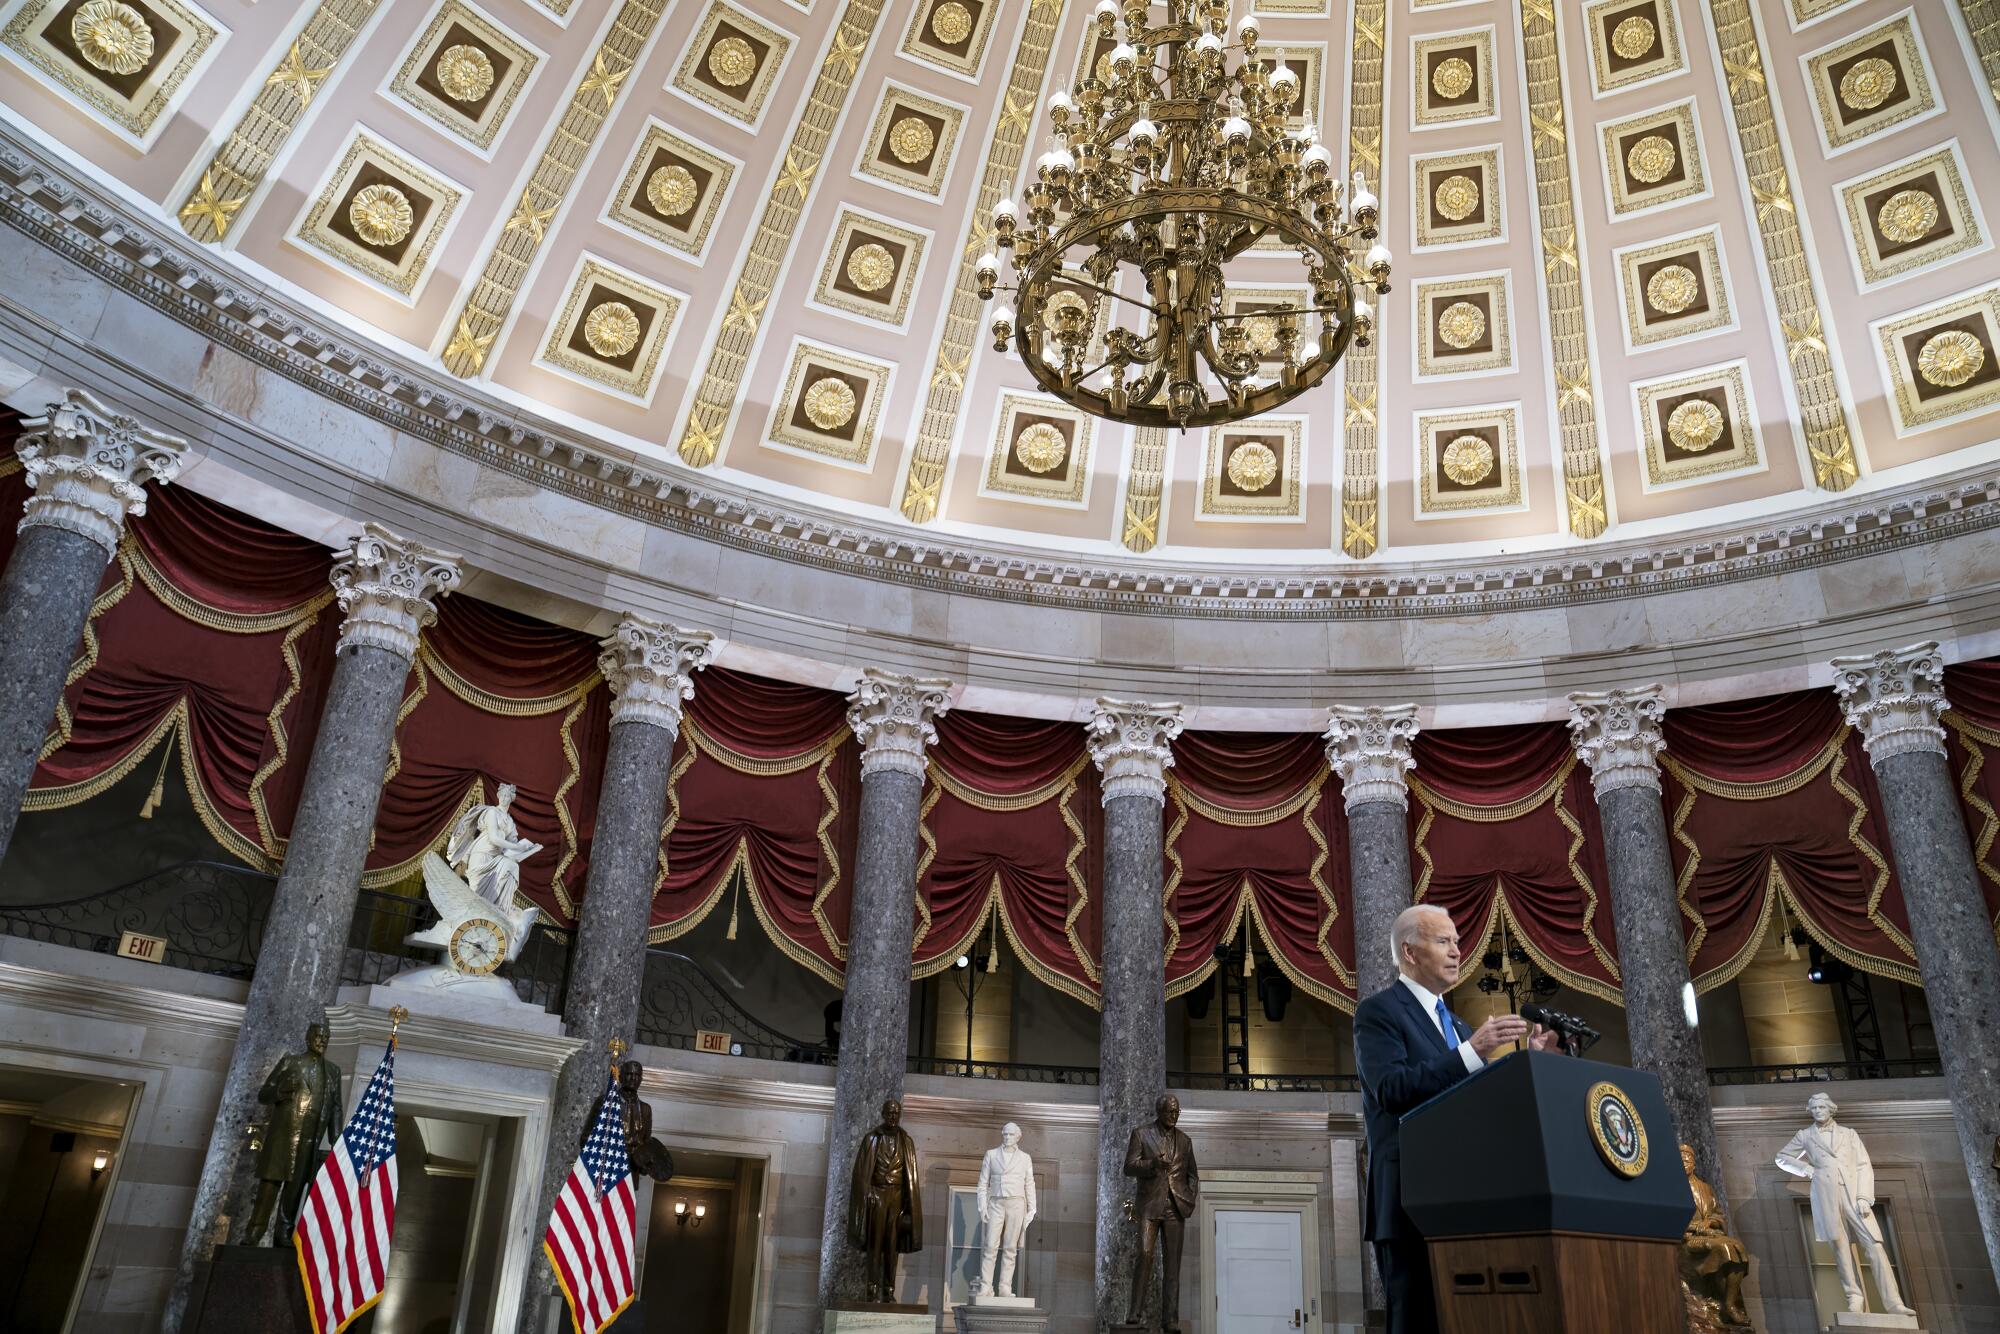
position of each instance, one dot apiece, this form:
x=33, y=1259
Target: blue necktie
x=1445, y=1030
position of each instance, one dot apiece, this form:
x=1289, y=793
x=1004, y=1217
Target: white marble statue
x=487, y=849
x=1006, y=1207
x=1843, y=1201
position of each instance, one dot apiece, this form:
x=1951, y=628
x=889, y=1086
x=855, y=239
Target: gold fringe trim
x=986, y=801
x=924, y=859
x=504, y=706
x=410, y=701
x=1977, y=740
x=10, y=465
x=1049, y=977
x=571, y=774
x=475, y=795
x=1868, y=850
x=191, y=608
x=689, y=753
x=1773, y=787
x=828, y=814
x=1072, y=868
x=1315, y=874
x=738, y=861
x=798, y=953
x=1211, y=964
x=1173, y=884
x=1250, y=819
x=274, y=727
x=1575, y=827
x=1512, y=810
x=1867, y=963
x=750, y=764
x=944, y=961
x=59, y=734
x=1685, y=883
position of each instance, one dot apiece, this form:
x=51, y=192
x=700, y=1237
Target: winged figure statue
x=475, y=935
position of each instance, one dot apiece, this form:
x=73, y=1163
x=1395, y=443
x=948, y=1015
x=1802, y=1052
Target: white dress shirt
x=1427, y=1000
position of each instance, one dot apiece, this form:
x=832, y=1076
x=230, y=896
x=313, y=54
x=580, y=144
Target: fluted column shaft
x=87, y=467
x=1894, y=699
x=1131, y=744
x=892, y=716
x=650, y=668
x=1369, y=747
x=1617, y=733
x=385, y=587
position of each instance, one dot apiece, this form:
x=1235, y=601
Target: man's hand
x=1545, y=1039
x=1865, y=1204
x=1496, y=1033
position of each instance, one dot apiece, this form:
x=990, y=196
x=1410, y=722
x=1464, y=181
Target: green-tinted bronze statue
x=303, y=1093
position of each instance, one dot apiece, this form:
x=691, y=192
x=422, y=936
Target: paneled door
x=1260, y=1272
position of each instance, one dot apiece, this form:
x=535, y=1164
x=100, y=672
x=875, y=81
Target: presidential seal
x=1615, y=1125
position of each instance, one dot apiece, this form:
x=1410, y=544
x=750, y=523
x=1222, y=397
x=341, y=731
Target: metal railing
x=1810, y=1072
x=211, y=915
x=680, y=999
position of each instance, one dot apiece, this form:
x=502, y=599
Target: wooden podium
x=1551, y=1194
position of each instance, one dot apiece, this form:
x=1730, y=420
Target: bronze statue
x=1162, y=1158
x=885, y=1208
x=1713, y=1263
x=303, y=1092
x=647, y=1155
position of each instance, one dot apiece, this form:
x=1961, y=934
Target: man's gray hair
x=1409, y=925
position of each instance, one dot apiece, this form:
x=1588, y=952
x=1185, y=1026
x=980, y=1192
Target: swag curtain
x=1009, y=841
x=1972, y=738
x=1772, y=820
x=1256, y=841
x=1505, y=838
x=763, y=803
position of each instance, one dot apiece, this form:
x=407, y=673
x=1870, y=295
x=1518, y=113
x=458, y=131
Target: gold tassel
x=993, y=955
x=1506, y=959
x=1249, y=953
x=735, y=891
x=1785, y=930
x=159, y=792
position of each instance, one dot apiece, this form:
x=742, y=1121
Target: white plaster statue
x=487, y=849
x=1843, y=1201
x=1006, y=1207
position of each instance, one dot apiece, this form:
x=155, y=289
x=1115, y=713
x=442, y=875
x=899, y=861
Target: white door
x=1259, y=1272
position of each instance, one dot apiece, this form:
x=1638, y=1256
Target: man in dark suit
x=1162, y=1158
x=1409, y=1046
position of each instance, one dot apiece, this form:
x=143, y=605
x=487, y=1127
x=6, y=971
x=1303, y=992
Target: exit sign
x=150, y=949
x=705, y=1040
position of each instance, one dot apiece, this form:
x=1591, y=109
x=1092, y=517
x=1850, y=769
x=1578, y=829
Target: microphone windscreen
x=1539, y=1014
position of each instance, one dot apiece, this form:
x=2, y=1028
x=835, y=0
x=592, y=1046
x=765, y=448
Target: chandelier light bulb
x=1107, y=15
x=1123, y=60
x=1378, y=264
x=1143, y=133
x=1209, y=47
x=1247, y=30
x=1284, y=85
x=1317, y=157
x=987, y=267
x=1003, y=327
x=1236, y=130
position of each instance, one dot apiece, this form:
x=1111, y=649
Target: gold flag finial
x=397, y=1014
x=618, y=1047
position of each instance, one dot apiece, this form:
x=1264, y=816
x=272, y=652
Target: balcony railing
x=1811, y=1072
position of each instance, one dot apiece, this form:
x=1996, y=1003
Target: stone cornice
x=197, y=288
x=121, y=1002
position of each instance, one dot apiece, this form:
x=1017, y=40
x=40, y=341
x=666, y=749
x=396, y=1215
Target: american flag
x=589, y=1241
x=348, y=1216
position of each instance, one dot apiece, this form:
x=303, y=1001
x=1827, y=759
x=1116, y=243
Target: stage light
x=963, y=961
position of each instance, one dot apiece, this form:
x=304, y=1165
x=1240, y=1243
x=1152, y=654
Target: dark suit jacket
x=1402, y=1061
x=1174, y=1185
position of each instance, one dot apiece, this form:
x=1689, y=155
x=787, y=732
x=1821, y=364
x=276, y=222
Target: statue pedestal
x=1002, y=1315
x=1844, y=1320
x=879, y=1318
x=249, y=1290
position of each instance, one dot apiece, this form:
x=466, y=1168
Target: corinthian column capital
x=388, y=587
x=894, y=717
x=651, y=667
x=88, y=467
x=1131, y=742
x=1893, y=698
x=1368, y=745
x=1617, y=732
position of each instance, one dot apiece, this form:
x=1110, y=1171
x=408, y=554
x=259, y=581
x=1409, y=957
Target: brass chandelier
x=1165, y=168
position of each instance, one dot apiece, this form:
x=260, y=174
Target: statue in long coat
x=885, y=1207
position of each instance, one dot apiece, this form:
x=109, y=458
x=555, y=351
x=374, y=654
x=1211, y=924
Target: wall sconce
x=684, y=1216
x=101, y=1161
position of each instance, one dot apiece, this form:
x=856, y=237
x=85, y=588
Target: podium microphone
x=1576, y=1035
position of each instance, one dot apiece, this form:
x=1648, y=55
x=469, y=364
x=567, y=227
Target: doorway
x=60, y=1141
x=1259, y=1271
x=702, y=1244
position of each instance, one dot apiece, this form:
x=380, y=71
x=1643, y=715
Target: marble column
x=1893, y=699
x=1369, y=747
x=87, y=467
x=386, y=587
x=1617, y=733
x=893, y=718
x=650, y=668
x=1131, y=743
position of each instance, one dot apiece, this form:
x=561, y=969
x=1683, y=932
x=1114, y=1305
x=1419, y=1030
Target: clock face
x=478, y=946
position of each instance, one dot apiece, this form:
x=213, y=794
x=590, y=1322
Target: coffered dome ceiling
x=1659, y=265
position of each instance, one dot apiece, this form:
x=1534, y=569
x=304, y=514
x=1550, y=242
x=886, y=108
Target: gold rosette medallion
x=1253, y=465
x=465, y=73
x=1651, y=159
x=732, y=61
x=1695, y=425
x=829, y=403
x=1949, y=359
x=1452, y=79
x=380, y=214
x=611, y=329
x=112, y=37
x=1468, y=460
x=1457, y=197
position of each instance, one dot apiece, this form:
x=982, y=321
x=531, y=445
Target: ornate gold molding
x=716, y=391
x=485, y=311
x=965, y=318
x=1360, y=532
x=238, y=168
x=1562, y=276
x=1982, y=20
x=1145, y=482
x=1828, y=440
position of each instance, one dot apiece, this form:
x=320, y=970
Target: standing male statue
x=303, y=1093
x=885, y=1209
x=487, y=849
x=1843, y=1201
x=648, y=1157
x=1162, y=1158
x=1006, y=1207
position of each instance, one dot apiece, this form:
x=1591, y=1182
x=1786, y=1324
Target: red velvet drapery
x=766, y=782
x=1011, y=816
x=1771, y=813
x=1972, y=736
x=1256, y=839
x=1505, y=837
